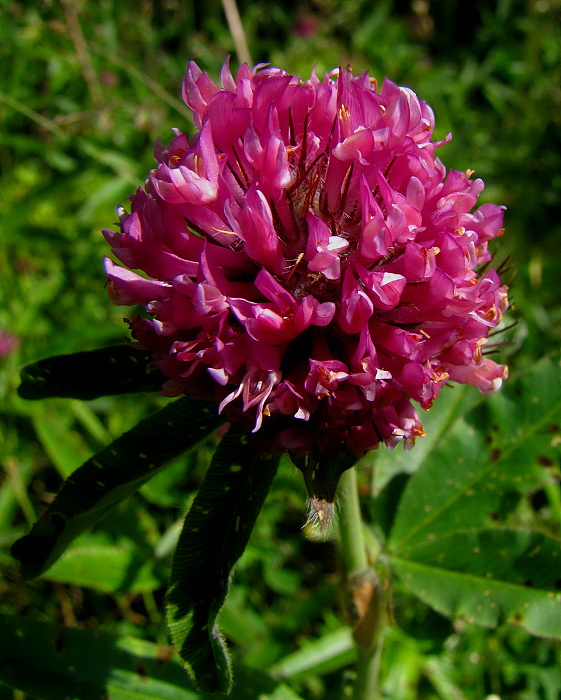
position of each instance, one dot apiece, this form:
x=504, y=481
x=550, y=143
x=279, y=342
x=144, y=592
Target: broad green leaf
x=453, y=401
x=489, y=576
x=108, y=568
x=111, y=476
x=324, y=655
x=52, y=662
x=442, y=484
x=214, y=536
x=383, y=508
x=467, y=482
x=120, y=369
x=526, y=415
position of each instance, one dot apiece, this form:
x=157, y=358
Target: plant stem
x=365, y=590
x=367, y=672
x=353, y=546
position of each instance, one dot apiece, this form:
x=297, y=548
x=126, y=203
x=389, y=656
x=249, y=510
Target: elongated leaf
x=108, y=568
x=119, y=369
x=53, y=662
x=112, y=475
x=440, y=671
x=214, y=536
x=329, y=653
x=468, y=482
x=489, y=576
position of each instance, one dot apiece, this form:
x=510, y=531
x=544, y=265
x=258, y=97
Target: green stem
x=364, y=588
x=353, y=546
x=367, y=672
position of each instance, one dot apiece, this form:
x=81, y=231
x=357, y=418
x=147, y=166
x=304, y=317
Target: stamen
x=236, y=177
x=240, y=166
x=298, y=261
x=219, y=230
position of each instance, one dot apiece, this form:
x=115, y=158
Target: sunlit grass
x=85, y=90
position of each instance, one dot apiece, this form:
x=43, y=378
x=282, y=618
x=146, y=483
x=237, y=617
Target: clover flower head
x=307, y=261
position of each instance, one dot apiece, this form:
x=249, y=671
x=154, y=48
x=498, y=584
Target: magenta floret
x=308, y=262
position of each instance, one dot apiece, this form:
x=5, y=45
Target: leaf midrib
x=476, y=578
x=533, y=428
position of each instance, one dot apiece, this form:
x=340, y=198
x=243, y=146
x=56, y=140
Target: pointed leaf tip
x=214, y=536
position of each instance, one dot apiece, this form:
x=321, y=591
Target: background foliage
x=86, y=88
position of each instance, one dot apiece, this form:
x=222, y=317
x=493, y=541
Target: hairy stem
x=353, y=546
x=366, y=594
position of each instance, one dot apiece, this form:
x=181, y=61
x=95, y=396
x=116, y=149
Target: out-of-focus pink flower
x=9, y=343
x=306, y=260
x=306, y=26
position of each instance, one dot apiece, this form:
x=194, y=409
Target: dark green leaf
x=489, y=576
x=214, y=536
x=112, y=475
x=467, y=482
x=454, y=401
x=52, y=662
x=384, y=507
x=120, y=369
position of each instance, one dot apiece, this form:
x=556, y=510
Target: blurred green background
x=85, y=89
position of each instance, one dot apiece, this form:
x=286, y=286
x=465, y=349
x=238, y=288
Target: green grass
x=85, y=89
